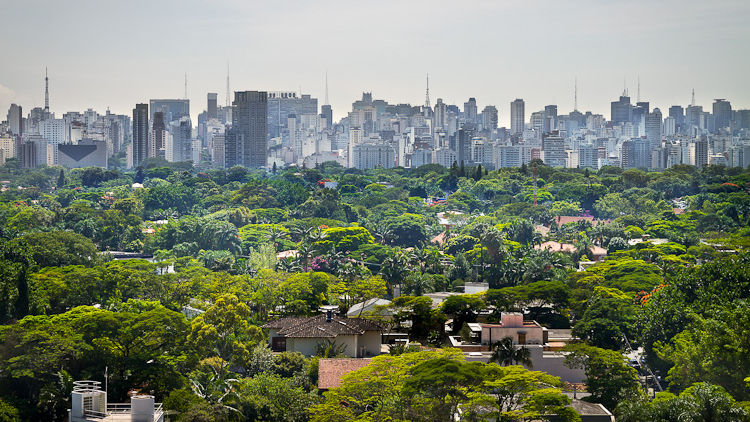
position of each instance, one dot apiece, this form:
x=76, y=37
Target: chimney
x=329, y=315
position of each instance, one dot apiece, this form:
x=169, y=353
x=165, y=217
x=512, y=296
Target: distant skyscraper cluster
x=266, y=129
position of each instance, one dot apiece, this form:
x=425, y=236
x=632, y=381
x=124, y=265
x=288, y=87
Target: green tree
x=608, y=378
x=505, y=353
x=225, y=330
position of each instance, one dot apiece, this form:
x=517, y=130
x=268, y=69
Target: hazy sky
x=118, y=53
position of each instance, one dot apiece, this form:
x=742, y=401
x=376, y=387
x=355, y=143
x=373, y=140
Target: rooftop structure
x=89, y=403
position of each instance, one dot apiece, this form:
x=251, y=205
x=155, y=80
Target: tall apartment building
x=722, y=114
x=139, y=147
x=517, y=116
x=489, y=118
x=250, y=120
x=622, y=110
x=553, y=151
x=653, y=128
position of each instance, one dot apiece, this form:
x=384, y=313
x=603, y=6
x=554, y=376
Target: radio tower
x=575, y=100
x=639, y=90
x=427, y=95
x=327, y=88
x=46, y=91
x=185, y=98
x=228, y=85
x=692, y=103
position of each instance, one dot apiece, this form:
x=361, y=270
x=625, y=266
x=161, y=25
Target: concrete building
x=489, y=118
x=445, y=157
x=463, y=138
x=517, y=116
x=471, y=110
x=139, y=146
x=636, y=153
x=179, y=146
x=250, y=120
x=281, y=104
x=87, y=153
x=653, y=128
x=588, y=156
x=698, y=153
x=368, y=156
x=172, y=109
x=722, y=111
x=621, y=110
x=212, y=111
x=553, y=151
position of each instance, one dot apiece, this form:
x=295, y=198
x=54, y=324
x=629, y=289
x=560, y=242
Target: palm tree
x=274, y=235
x=583, y=248
x=56, y=396
x=507, y=353
x=301, y=232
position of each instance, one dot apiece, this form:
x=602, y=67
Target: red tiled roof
x=330, y=371
x=318, y=327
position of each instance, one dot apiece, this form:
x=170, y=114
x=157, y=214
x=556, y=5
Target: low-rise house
x=512, y=325
x=360, y=337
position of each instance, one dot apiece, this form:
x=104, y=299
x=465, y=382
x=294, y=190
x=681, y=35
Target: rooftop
x=318, y=326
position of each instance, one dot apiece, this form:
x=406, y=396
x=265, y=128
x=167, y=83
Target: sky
x=114, y=54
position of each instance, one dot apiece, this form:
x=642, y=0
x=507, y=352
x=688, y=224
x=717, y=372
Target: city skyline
x=671, y=47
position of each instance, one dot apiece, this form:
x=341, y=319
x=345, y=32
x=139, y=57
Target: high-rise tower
x=517, y=116
x=249, y=120
x=140, y=134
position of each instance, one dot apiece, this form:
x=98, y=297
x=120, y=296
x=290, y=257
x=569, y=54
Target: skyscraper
x=550, y=118
x=327, y=112
x=678, y=113
x=158, y=136
x=211, y=110
x=653, y=128
x=471, y=110
x=489, y=118
x=140, y=134
x=463, y=144
x=722, y=113
x=517, y=116
x=622, y=110
x=249, y=118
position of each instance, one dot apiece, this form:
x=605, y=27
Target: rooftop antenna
x=186, y=86
x=639, y=90
x=327, y=87
x=692, y=103
x=575, y=101
x=46, y=91
x=228, y=85
x=427, y=95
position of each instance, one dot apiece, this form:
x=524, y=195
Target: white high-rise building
x=653, y=128
x=53, y=130
x=355, y=138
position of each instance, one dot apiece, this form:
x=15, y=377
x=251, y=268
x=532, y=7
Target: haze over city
x=113, y=55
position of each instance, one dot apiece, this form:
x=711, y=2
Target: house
x=361, y=337
x=561, y=220
x=598, y=253
x=512, y=325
